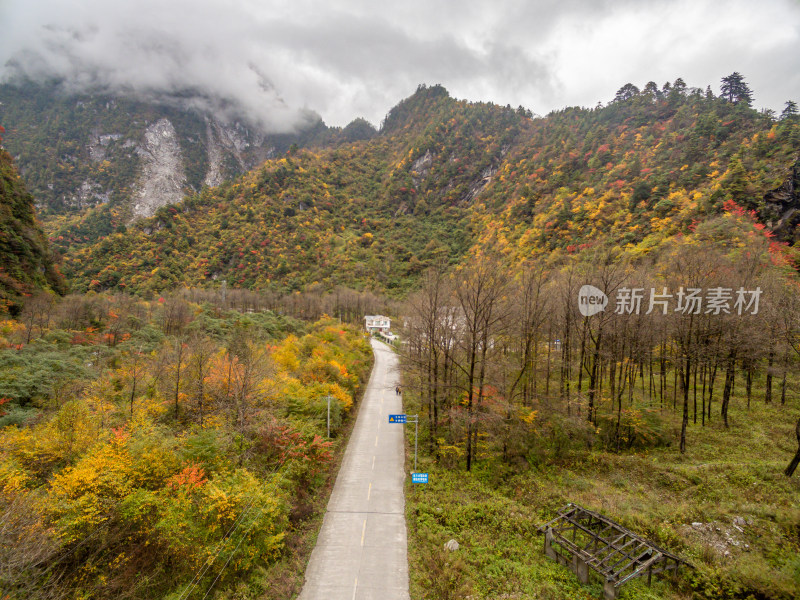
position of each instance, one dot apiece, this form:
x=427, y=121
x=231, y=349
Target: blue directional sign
x=419, y=478
x=397, y=418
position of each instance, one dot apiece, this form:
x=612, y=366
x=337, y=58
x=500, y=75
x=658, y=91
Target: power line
x=199, y=575
x=213, y=583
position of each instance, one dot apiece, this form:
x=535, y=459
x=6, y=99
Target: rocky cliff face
x=163, y=179
x=236, y=142
x=122, y=156
x=781, y=210
x=96, y=163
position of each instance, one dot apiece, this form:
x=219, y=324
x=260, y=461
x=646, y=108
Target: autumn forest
x=599, y=306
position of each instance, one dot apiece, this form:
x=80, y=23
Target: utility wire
x=217, y=551
x=213, y=583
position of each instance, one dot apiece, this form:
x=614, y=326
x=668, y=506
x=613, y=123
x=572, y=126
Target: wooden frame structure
x=581, y=539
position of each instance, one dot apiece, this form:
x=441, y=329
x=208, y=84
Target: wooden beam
x=621, y=550
x=640, y=571
x=581, y=539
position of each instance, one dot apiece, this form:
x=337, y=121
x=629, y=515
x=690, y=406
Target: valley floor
x=725, y=506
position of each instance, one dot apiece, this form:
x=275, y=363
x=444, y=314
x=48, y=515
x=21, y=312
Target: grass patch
x=725, y=506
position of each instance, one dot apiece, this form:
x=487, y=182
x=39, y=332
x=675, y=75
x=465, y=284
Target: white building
x=378, y=323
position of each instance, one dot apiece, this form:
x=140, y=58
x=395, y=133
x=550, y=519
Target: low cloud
x=280, y=62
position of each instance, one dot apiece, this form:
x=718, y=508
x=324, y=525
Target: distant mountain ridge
x=113, y=159
x=445, y=178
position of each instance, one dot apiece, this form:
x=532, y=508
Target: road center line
x=387, y=554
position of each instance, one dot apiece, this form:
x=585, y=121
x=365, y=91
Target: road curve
x=361, y=548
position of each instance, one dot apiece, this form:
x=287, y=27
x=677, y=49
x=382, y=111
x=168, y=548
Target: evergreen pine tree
x=790, y=110
x=734, y=89
x=626, y=92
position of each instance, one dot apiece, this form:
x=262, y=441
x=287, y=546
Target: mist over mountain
x=111, y=159
x=273, y=62
x=206, y=174
x=154, y=53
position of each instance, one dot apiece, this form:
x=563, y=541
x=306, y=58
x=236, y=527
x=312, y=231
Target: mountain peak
x=416, y=107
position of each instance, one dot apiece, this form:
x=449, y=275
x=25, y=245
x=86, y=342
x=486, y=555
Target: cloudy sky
x=347, y=58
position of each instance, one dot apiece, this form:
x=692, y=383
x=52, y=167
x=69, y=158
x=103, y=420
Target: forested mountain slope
x=95, y=161
x=25, y=261
x=363, y=214
x=643, y=169
x=444, y=176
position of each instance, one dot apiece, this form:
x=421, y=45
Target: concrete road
x=361, y=549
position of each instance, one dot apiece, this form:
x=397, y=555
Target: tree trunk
x=783, y=378
x=481, y=380
x=685, y=377
x=768, y=383
x=694, y=392
x=547, y=375
x=582, y=356
x=612, y=375
x=619, y=408
x=429, y=403
x=641, y=377
x=178, y=379
x=662, y=376
x=200, y=401
x=711, y=388
x=675, y=387
x=730, y=373
x=565, y=363
x=470, y=396
x=749, y=383
x=435, y=396
x=534, y=374
x=703, y=396
x=593, y=378
x=133, y=390
x=796, y=460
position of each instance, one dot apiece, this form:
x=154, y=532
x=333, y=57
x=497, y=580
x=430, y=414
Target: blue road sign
x=397, y=418
x=419, y=478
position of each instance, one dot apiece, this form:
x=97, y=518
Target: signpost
x=416, y=435
x=403, y=419
x=419, y=478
